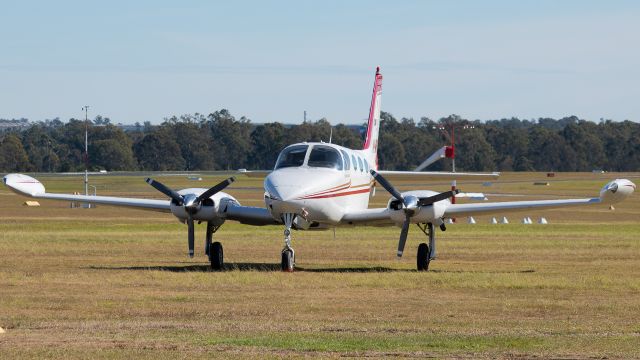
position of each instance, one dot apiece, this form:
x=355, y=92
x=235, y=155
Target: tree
x=112, y=155
x=13, y=157
x=511, y=147
x=391, y=154
x=266, y=141
x=346, y=136
x=583, y=138
x=41, y=148
x=231, y=139
x=158, y=152
x=476, y=153
x=549, y=151
x=194, y=140
x=99, y=120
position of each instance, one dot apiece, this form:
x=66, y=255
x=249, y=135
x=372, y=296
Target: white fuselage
x=319, y=192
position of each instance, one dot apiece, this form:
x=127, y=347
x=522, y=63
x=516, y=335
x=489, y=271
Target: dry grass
x=114, y=283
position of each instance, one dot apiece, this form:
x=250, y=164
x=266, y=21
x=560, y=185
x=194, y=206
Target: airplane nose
x=292, y=184
x=281, y=188
x=270, y=189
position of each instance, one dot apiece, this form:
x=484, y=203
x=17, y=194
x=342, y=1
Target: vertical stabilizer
x=373, y=126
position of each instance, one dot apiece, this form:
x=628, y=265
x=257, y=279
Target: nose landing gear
x=288, y=258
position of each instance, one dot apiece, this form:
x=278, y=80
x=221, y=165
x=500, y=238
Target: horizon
x=147, y=61
x=363, y=123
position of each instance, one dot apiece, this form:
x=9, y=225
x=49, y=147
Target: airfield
x=117, y=283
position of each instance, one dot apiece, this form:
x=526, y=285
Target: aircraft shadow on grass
x=265, y=267
x=249, y=267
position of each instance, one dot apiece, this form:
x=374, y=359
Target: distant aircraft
x=316, y=185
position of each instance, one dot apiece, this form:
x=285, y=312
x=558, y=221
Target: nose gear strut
x=288, y=261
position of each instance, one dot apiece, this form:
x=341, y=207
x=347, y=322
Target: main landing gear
x=288, y=258
x=426, y=253
x=213, y=249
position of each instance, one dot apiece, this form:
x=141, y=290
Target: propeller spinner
x=190, y=202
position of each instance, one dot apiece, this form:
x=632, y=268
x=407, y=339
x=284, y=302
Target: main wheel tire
x=216, y=256
x=423, y=257
x=286, y=262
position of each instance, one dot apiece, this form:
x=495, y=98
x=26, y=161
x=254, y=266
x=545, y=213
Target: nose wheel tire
x=288, y=261
x=216, y=256
x=423, y=257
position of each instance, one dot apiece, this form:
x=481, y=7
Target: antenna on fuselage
x=330, y=135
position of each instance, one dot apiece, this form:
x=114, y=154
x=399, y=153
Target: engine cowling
x=616, y=191
x=211, y=209
x=425, y=214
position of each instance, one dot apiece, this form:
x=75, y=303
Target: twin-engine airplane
x=320, y=186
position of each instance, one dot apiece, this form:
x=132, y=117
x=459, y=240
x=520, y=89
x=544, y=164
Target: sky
x=136, y=61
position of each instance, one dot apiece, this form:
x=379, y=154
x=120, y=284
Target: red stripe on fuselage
x=336, y=188
x=362, y=191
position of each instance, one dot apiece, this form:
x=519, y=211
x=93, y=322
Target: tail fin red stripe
x=377, y=87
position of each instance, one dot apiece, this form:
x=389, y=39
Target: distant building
x=18, y=124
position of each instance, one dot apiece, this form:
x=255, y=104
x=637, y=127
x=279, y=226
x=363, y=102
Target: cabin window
x=292, y=156
x=360, y=164
x=326, y=157
x=366, y=166
x=347, y=166
x=354, y=162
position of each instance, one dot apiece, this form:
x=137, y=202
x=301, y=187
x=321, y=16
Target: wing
x=454, y=210
x=255, y=173
x=28, y=186
x=613, y=192
x=249, y=215
x=382, y=216
x=436, y=175
x=373, y=217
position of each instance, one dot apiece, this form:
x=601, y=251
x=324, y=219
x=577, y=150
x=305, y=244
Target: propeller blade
x=191, y=235
x=165, y=190
x=403, y=235
x=438, y=197
x=386, y=185
x=216, y=189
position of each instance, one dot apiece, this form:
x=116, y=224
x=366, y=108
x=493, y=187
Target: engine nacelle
x=616, y=191
x=211, y=209
x=426, y=214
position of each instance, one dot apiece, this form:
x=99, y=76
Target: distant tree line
x=219, y=141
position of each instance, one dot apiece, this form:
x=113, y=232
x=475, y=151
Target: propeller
x=410, y=205
x=190, y=202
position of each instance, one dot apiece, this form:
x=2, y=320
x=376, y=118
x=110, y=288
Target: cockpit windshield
x=326, y=157
x=292, y=156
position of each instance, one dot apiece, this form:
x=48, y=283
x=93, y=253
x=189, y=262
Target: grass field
x=116, y=283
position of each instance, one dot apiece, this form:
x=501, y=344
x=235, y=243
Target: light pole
x=86, y=149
